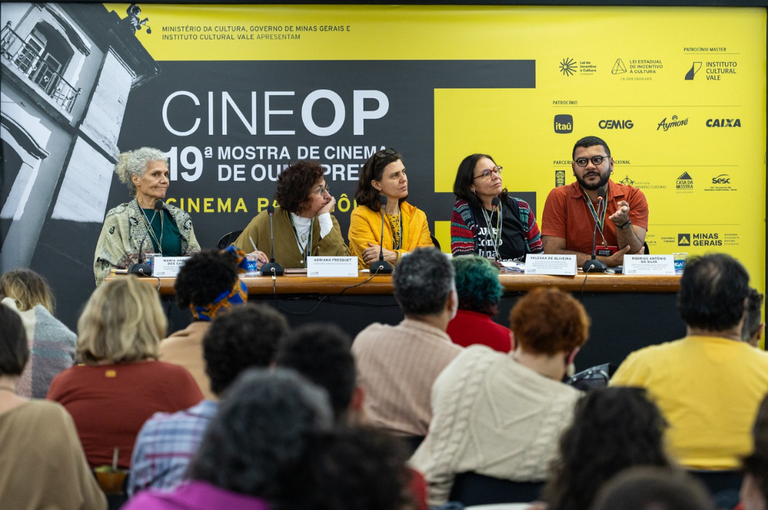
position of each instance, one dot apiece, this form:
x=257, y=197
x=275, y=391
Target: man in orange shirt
x=571, y=212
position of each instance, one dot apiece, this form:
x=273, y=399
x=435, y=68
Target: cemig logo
x=723, y=122
x=694, y=69
x=563, y=124
x=721, y=179
x=683, y=239
x=616, y=124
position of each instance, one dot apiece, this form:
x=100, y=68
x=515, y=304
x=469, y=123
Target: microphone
x=272, y=268
x=381, y=266
x=140, y=267
x=594, y=265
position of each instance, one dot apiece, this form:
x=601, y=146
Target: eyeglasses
x=320, y=190
x=596, y=160
x=486, y=174
x=384, y=153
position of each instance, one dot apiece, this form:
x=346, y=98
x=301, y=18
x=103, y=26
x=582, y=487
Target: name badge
x=657, y=265
x=541, y=263
x=165, y=267
x=332, y=266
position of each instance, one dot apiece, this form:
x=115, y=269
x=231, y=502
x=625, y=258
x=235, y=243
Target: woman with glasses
x=486, y=221
x=405, y=226
x=303, y=223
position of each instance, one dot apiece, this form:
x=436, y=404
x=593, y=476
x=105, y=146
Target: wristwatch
x=624, y=226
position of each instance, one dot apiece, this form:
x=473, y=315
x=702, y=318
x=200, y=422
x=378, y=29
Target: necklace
x=494, y=239
x=151, y=229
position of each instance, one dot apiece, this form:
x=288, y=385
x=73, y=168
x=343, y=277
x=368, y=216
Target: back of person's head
x=14, y=351
x=755, y=465
x=712, y=292
x=613, y=428
x=27, y=289
x=260, y=434
x=205, y=277
x=353, y=468
x=549, y=321
x=322, y=354
x=477, y=284
x=245, y=337
x=123, y=322
x=653, y=488
x=752, y=317
x=423, y=281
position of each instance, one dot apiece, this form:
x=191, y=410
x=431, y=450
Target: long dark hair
x=465, y=177
x=372, y=170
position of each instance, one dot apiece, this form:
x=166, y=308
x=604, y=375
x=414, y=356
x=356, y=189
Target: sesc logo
x=615, y=124
x=721, y=179
x=724, y=123
x=563, y=124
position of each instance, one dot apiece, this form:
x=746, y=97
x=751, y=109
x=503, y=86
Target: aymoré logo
x=723, y=122
x=694, y=69
x=683, y=239
x=684, y=182
x=675, y=122
x=563, y=124
x=616, y=124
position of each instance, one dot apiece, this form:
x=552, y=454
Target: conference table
x=627, y=312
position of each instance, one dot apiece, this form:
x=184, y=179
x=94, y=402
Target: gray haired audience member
x=754, y=327
x=654, y=488
x=253, y=446
x=398, y=364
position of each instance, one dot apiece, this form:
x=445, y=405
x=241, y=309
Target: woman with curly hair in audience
x=303, y=223
x=613, y=429
x=42, y=464
x=121, y=383
x=51, y=343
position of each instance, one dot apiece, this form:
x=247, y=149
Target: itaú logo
x=615, y=124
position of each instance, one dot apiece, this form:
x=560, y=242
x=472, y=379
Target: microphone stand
x=381, y=266
x=594, y=265
x=140, y=267
x=272, y=268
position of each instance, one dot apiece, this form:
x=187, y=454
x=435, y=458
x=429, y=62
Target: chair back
x=435, y=241
x=228, y=239
x=724, y=485
x=476, y=489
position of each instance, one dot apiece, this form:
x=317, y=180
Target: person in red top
x=121, y=384
x=479, y=290
x=570, y=213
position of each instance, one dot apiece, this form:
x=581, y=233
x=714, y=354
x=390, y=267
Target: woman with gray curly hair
x=146, y=224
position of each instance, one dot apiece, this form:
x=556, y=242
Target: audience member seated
x=398, y=364
x=479, y=290
x=500, y=414
x=208, y=285
x=613, y=429
x=652, y=488
x=710, y=383
x=122, y=383
x=42, y=464
x=253, y=447
x=754, y=490
x=243, y=338
x=754, y=327
x=51, y=343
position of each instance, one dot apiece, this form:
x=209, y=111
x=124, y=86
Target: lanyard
x=600, y=221
x=395, y=245
x=151, y=229
x=303, y=248
x=499, y=226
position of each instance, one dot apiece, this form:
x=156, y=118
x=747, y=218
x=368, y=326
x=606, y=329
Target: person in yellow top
x=405, y=226
x=710, y=383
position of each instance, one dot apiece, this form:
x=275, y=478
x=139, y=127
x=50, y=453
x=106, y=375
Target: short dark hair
x=372, y=170
x=322, y=353
x=465, y=178
x=294, y=184
x=423, y=281
x=654, y=488
x=260, y=433
x=752, y=318
x=613, y=428
x=756, y=464
x=591, y=141
x=204, y=276
x=14, y=351
x=712, y=292
x=244, y=337
x=477, y=284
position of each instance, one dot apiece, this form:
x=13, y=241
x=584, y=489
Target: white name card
x=332, y=266
x=541, y=263
x=649, y=265
x=164, y=267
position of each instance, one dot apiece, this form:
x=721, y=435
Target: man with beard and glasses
x=571, y=212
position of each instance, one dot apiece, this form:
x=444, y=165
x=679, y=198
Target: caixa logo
x=721, y=179
x=563, y=124
x=616, y=124
x=723, y=122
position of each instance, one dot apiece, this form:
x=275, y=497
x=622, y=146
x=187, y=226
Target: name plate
x=649, y=265
x=541, y=263
x=332, y=266
x=164, y=267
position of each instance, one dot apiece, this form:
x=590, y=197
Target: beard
x=591, y=187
